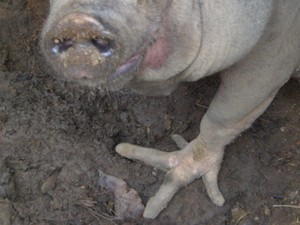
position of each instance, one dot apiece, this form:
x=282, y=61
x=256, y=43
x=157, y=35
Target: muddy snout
x=78, y=45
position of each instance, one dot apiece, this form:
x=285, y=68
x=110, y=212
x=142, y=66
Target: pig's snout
x=91, y=49
x=79, y=42
x=81, y=30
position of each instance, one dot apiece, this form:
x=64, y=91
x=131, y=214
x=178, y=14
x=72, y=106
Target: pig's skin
x=153, y=45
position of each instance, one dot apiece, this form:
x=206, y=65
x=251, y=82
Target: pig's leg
x=245, y=92
x=197, y=159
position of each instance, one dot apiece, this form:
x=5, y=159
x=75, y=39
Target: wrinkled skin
x=152, y=45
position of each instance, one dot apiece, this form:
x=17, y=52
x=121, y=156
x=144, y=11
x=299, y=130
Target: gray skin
x=152, y=45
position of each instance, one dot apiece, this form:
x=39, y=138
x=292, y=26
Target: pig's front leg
x=202, y=157
x=244, y=94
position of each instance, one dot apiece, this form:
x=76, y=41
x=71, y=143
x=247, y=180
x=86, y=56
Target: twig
x=101, y=215
x=241, y=218
x=96, y=214
x=287, y=206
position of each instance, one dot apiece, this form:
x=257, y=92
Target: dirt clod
x=128, y=204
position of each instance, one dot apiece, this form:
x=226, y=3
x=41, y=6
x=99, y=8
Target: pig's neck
x=230, y=29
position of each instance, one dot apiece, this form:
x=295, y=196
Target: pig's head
x=122, y=43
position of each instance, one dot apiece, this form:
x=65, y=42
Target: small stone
x=56, y=41
x=49, y=184
x=267, y=211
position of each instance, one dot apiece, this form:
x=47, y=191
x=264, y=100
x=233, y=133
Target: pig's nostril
x=60, y=46
x=104, y=46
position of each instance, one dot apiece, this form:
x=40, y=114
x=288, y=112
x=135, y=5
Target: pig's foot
x=195, y=160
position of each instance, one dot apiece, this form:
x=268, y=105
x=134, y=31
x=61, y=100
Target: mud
x=55, y=136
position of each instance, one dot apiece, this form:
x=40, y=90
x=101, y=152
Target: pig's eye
x=104, y=46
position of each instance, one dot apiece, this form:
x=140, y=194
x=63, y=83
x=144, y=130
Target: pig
x=151, y=46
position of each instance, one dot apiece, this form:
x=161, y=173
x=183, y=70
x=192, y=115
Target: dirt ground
x=55, y=136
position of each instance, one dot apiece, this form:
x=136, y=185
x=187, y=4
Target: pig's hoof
x=182, y=167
